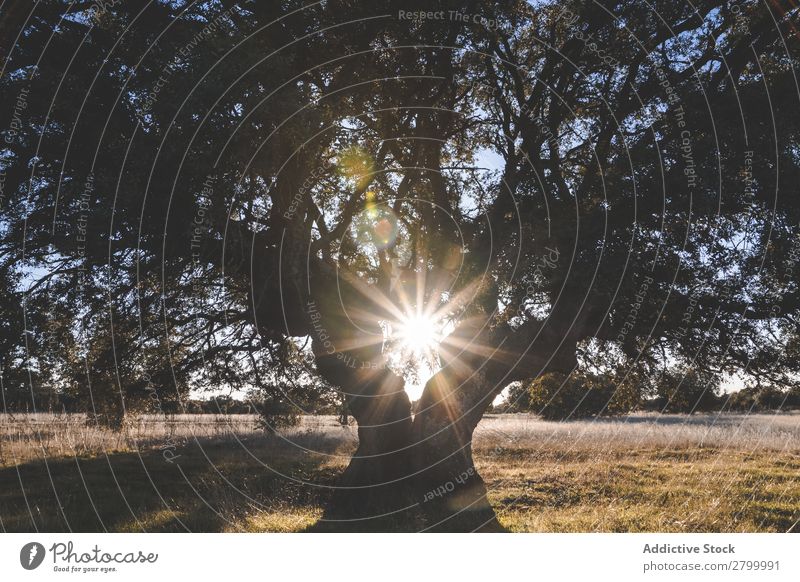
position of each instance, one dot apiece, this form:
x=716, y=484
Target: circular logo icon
x=31, y=555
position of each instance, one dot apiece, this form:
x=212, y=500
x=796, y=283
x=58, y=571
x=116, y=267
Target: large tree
x=228, y=194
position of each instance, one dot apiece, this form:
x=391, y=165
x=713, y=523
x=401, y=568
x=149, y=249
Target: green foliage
x=683, y=389
x=274, y=414
x=282, y=405
x=763, y=398
x=517, y=398
x=557, y=396
x=107, y=185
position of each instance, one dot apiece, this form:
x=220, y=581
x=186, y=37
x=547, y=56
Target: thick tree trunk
x=375, y=488
x=403, y=471
x=450, y=491
x=416, y=475
x=479, y=361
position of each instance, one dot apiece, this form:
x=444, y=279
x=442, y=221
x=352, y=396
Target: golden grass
x=26, y=437
x=691, y=490
x=644, y=473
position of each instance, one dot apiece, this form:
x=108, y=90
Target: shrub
x=684, y=389
x=557, y=396
x=758, y=398
x=274, y=414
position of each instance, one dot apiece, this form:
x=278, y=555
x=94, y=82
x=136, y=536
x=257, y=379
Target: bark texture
x=451, y=493
x=375, y=487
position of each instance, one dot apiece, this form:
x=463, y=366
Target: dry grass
x=25, y=437
x=754, y=432
x=645, y=472
x=641, y=473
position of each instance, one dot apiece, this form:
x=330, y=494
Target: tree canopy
x=238, y=195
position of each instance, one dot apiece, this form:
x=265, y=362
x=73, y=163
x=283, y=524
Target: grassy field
x=704, y=473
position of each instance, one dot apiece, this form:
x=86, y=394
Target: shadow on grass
x=207, y=487
x=409, y=522
x=221, y=486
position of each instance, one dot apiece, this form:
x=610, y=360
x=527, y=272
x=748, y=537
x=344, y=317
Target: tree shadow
x=204, y=486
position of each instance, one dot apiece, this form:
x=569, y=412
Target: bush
x=517, y=399
x=275, y=413
x=687, y=390
x=759, y=398
x=557, y=396
x=283, y=404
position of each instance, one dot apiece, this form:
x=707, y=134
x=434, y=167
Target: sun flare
x=416, y=338
x=419, y=334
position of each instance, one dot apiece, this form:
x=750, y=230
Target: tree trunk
x=478, y=362
x=416, y=475
x=374, y=492
x=419, y=474
x=404, y=471
x=451, y=493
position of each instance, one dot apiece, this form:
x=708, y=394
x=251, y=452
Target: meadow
x=643, y=472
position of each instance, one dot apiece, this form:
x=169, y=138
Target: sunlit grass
x=679, y=475
x=285, y=521
x=646, y=490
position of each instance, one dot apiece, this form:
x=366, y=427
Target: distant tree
x=557, y=396
x=283, y=405
x=763, y=398
x=517, y=398
x=224, y=405
x=687, y=390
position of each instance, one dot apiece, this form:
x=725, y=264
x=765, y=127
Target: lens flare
x=419, y=334
x=377, y=225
